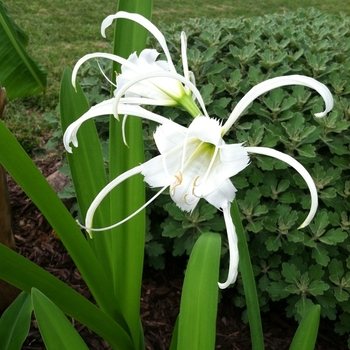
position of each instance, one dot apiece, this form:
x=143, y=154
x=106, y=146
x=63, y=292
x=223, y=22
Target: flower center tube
x=198, y=159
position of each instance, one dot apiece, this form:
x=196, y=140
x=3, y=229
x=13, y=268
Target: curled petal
x=146, y=24
x=300, y=169
x=233, y=249
x=70, y=135
x=104, y=192
x=273, y=83
x=106, y=108
x=109, y=56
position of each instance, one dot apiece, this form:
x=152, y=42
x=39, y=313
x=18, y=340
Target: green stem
x=250, y=292
x=129, y=238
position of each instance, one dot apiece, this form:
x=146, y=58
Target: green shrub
x=228, y=57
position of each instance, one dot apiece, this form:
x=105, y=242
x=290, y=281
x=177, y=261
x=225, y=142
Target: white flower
x=144, y=80
x=194, y=162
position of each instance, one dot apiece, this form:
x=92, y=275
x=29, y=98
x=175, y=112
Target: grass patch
x=27, y=125
x=61, y=31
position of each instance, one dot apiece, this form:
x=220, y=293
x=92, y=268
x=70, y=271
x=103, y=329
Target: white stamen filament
x=209, y=167
x=105, y=76
x=104, y=192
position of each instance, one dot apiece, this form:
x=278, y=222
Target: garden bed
x=161, y=290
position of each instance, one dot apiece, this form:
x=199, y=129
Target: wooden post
x=7, y=292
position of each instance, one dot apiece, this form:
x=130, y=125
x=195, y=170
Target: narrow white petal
x=109, y=56
x=70, y=135
x=273, y=83
x=299, y=168
x=123, y=130
x=137, y=111
x=147, y=101
x=104, y=192
x=107, y=108
x=233, y=249
x=184, y=55
x=146, y=24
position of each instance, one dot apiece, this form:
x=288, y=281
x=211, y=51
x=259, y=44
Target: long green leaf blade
x=306, y=334
x=86, y=166
x=128, y=239
x=249, y=286
x=57, y=332
x=19, y=74
x=15, y=323
x=25, y=275
x=15, y=160
x=173, y=343
x=199, y=300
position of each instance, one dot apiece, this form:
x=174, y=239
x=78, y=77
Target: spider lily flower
x=195, y=162
x=159, y=90
x=144, y=80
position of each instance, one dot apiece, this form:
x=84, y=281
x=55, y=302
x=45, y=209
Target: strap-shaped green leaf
x=57, y=332
x=128, y=239
x=173, y=344
x=19, y=74
x=15, y=323
x=250, y=292
x=306, y=334
x=86, y=166
x=25, y=275
x=27, y=175
x=199, y=300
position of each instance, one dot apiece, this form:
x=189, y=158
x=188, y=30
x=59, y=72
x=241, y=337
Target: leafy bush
x=228, y=57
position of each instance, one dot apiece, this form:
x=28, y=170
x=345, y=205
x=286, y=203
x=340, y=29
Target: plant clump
x=228, y=57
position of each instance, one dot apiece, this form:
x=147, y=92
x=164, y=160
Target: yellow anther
x=179, y=178
x=194, y=184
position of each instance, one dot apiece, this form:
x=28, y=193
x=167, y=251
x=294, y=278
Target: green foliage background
x=228, y=57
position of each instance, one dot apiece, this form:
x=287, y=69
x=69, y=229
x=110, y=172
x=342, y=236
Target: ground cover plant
x=303, y=267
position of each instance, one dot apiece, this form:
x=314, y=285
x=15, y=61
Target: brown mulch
x=161, y=290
